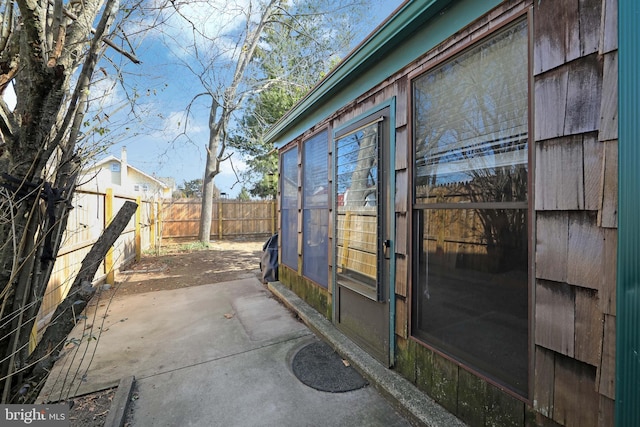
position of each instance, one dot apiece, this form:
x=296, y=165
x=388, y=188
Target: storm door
x=362, y=233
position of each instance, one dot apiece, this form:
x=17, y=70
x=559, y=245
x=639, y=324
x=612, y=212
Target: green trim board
x=417, y=27
x=628, y=274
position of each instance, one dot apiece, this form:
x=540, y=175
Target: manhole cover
x=319, y=367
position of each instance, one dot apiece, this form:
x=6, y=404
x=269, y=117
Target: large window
x=289, y=208
x=470, y=204
x=315, y=214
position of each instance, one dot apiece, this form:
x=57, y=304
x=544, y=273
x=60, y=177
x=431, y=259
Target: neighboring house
x=469, y=239
x=123, y=178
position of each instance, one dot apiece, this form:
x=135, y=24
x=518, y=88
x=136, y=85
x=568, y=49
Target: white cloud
x=105, y=94
x=209, y=28
x=176, y=124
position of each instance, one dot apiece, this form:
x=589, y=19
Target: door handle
x=386, y=244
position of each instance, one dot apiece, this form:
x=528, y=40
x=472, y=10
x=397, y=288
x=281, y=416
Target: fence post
x=273, y=217
x=152, y=225
x=108, y=216
x=159, y=219
x=138, y=235
x=220, y=219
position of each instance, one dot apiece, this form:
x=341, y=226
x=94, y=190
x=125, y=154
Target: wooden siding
x=575, y=122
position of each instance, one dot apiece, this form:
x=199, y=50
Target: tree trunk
x=211, y=169
x=208, y=186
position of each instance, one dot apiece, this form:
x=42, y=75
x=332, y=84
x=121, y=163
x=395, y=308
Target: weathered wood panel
x=401, y=317
x=402, y=276
x=590, y=12
x=589, y=327
x=593, y=154
x=550, y=92
x=607, y=373
x=608, y=215
x=609, y=104
x=609, y=33
x=402, y=99
x=402, y=148
x=550, y=27
x=606, y=414
x=402, y=239
x=554, y=317
x=585, y=259
x=575, y=401
x=559, y=174
x=401, y=202
x=584, y=91
x=544, y=381
x=565, y=31
x=607, y=293
x=572, y=29
x=552, y=239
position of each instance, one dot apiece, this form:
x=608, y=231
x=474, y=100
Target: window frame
x=322, y=281
x=282, y=239
x=415, y=208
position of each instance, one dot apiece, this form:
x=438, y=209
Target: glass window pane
x=357, y=214
x=289, y=208
x=472, y=300
x=471, y=121
x=315, y=170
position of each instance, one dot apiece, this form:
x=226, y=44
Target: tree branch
x=131, y=56
x=75, y=113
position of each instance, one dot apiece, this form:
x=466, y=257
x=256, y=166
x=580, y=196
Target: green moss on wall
x=314, y=295
x=424, y=369
x=445, y=383
x=469, y=397
x=438, y=377
x=405, y=363
x=472, y=399
x=503, y=409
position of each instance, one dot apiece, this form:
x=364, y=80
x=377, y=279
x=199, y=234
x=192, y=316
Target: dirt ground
x=179, y=264
x=182, y=264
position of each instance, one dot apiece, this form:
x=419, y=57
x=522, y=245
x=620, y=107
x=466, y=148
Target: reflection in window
x=315, y=250
x=471, y=172
x=357, y=212
x=289, y=208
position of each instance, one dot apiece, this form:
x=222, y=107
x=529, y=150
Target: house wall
x=124, y=181
x=573, y=233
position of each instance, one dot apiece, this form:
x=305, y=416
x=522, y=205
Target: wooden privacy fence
x=230, y=218
x=91, y=213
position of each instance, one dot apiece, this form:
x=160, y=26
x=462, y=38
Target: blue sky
x=165, y=89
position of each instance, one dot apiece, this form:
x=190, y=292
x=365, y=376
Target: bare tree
x=223, y=62
x=49, y=51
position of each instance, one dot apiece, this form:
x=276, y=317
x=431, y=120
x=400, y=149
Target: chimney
x=123, y=169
